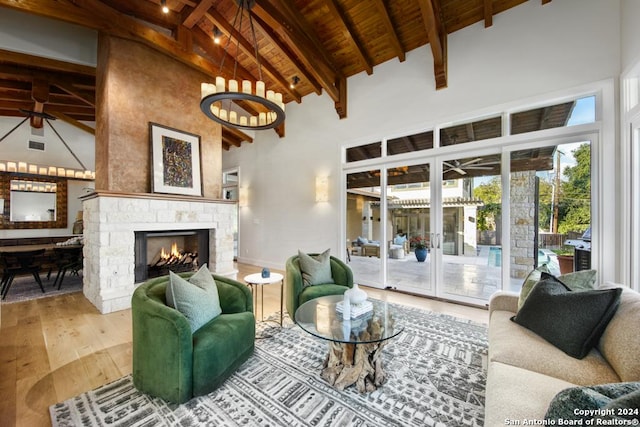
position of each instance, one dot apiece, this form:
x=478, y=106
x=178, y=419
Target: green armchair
x=172, y=363
x=296, y=293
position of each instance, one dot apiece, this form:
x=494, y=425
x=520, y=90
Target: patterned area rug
x=26, y=288
x=436, y=370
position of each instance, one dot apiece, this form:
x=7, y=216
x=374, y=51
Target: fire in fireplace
x=176, y=260
x=158, y=252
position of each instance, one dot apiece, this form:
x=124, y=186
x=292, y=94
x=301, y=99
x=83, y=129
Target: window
x=364, y=152
x=474, y=131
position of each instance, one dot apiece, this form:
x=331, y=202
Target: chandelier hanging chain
x=229, y=39
x=255, y=45
x=234, y=103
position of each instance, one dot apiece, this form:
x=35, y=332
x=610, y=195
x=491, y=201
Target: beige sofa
x=525, y=372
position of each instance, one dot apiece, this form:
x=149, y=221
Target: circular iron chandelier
x=219, y=100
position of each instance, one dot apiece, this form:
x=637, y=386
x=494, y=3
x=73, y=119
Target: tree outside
x=573, y=197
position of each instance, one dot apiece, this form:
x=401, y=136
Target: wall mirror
x=33, y=202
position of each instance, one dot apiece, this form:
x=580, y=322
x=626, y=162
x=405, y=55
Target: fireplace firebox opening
x=158, y=252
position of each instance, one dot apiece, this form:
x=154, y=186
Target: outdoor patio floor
x=468, y=276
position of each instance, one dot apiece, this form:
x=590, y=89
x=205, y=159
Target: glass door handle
x=434, y=237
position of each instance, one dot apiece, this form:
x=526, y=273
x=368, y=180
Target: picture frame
x=175, y=161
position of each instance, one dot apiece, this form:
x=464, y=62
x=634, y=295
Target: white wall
x=630, y=33
x=34, y=35
x=530, y=50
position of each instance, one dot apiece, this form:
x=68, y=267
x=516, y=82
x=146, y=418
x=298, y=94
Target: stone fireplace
x=111, y=220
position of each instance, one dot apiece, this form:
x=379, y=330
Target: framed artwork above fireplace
x=175, y=161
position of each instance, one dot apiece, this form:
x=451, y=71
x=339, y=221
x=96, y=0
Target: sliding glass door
x=408, y=197
x=468, y=244
x=365, y=244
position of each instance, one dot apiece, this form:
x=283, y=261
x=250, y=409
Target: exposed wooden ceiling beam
x=341, y=104
x=67, y=85
x=8, y=56
x=40, y=96
x=488, y=13
x=293, y=15
x=72, y=122
x=350, y=34
x=197, y=14
x=390, y=29
x=284, y=50
x=433, y=22
x=184, y=37
x=248, y=49
x=297, y=40
x=229, y=140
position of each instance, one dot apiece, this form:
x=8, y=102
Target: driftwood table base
x=359, y=364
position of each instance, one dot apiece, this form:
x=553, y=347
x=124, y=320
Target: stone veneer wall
x=523, y=228
x=110, y=220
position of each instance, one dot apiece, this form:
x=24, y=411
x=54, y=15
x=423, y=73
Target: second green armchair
x=296, y=293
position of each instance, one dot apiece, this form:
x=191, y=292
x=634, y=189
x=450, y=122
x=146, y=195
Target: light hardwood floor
x=55, y=348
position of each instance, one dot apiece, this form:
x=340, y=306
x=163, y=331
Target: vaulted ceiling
x=317, y=43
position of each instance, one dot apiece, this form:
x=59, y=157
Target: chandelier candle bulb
x=215, y=110
x=3, y=167
x=61, y=172
x=33, y=169
x=11, y=167
x=243, y=120
x=22, y=167
x=271, y=95
x=219, y=84
x=52, y=171
x=207, y=89
x=233, y=116
x=233, y=85
x=262, y=119
x=253, y=121
x=246, y=86
x=43, y=171
x=71, y=173
x=223, y=114
x=260, y=88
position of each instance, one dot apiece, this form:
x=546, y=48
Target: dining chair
x=68, y=259
x=18, y=263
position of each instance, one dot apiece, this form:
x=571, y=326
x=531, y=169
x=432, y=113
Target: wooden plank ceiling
x=318, y=43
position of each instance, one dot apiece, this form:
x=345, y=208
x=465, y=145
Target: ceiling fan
x=459, y=167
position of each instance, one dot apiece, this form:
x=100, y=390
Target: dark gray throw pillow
x=571, y=321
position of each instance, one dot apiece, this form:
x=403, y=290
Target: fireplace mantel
x=154, y=196
x=111, y=220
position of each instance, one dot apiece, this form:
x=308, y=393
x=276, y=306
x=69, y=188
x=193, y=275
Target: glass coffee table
x=355, y=345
